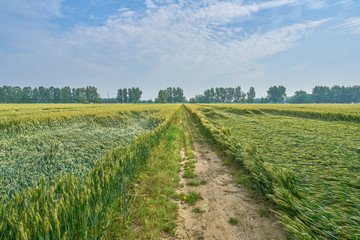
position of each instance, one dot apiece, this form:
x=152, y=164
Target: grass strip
x=153, y=212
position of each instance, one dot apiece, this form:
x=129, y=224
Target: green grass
x=233, y=221
x=153, y=212
x=203, y=182
x=196, y=183
x=192, y=197
x=189, y=173
x=192, y=183
x=198, y=210
x=188, y=140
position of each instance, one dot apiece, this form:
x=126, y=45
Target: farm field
x=71, y=171
x=323, y=155
x=48, y=146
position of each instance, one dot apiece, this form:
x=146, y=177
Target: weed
x=233, y=221
x=198, y=210
x=264, y=212
x=193, y=183
x=203, y=182
x=170, y=227
x=192, y=197
x=189, y=174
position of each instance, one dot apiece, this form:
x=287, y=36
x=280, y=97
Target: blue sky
x=195, y=45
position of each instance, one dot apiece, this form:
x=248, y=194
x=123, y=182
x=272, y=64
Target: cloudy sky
x=195, y=45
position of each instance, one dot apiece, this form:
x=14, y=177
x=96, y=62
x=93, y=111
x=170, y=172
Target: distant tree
x=91, y=94
x=207, y=96
x=251, y=95
x=55, y=95
x=150, y=101
x=230, y=95
x=26, y=95
x=136, y=94
x=66, y=95
x=130, y=95
x=80, y=95
x=2, y=95
x=240, y=96
x=35, y=95
x=301, y=97
x=355, y=92
x=120, y=96
x=170, y=94
x=109, y=100
x=192, y=100
x=162, y=97
x=276, y=94
x=125, y=95
x=82, y=99
x=264, y=100
x=13, y=94
x=178, y=95
x=322, y=94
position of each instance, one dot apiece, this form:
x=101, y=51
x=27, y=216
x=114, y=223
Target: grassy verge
x=188, y=141
x=153, y=212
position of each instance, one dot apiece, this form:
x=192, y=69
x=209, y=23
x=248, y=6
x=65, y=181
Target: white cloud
x=186, y=41
x=351, y=25
x=277, y=3
x=344, y=2
x=150, y=4
x=173, y=34
x=316, y=4
x=35, y=9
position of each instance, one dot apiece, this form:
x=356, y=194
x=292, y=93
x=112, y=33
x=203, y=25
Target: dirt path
x=222, y=199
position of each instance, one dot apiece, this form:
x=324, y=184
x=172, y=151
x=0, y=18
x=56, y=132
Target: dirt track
x=222, y=199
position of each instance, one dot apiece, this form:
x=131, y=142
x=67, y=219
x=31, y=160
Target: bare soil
x=222, y=199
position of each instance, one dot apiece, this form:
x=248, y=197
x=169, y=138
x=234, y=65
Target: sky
x=195, y=45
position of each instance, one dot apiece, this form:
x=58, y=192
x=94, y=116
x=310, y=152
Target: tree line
x=89, y=94
x=9, y=94
x=171, y=95
x=277, y=94
x=324, y=94
x=130, y=95
x=225, y=95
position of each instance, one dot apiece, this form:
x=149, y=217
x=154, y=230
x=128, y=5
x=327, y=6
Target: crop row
x=327, y=112
x=308, y=168
x=20, y=117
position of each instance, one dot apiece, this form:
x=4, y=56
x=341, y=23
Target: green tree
x=239, y=95
x=276, y=94
x=162, y=97
x=91, y=94
x=321, y=94
x=178, y=95
x=136, y=94
x=251, y=95
x=82, y=99
x=125, y=95
x=26, y=95
x=170, y=92
x=301, y=97
x=2, y=95
x=120, y=96
x=66, y=94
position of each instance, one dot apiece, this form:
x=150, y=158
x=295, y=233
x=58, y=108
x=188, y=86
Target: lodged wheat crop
x=71, y=165
x=303, y=158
